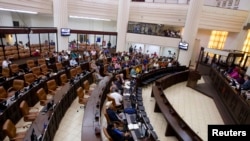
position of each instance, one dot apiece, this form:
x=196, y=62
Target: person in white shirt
x=156, y=65
x=6, y=63
x=73, y=62
x=118, y=98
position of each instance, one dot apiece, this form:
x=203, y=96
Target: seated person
x=241, y=79
x=73, y=62
x=117, y=66
x=125, y=65
x=6, y=63
x=246, y=84
x=110, y=68
x=235, y=73
x=118, y=84
x=118, y=135
x=133, y=72
x=118, y=98
x=112, y=114
x=156, y=65
x=94, y=66
x=120, y=78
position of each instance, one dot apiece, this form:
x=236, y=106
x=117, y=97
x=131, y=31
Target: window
x=217, y=39
x=246, y=47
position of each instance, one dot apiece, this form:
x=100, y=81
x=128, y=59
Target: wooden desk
x=236, y=105
x=13, y=111
x=127, y=104
x=155, y=74
x=92, y=112
x=63, y=99
x=176, y=125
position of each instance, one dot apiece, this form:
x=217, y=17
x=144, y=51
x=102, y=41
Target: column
x=241, y=37
x=60, y=16
x=190, y=30
x=122, y=24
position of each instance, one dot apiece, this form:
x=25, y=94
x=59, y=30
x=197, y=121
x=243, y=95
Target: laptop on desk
x=141, y=132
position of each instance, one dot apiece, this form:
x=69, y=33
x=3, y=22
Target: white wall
x=165, y=51
x=152, y=49
x=204, y=36
x=231, y=41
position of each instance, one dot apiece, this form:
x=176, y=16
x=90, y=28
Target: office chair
x=59, y=66
x=63, y=79
x=10, y=130
x=3, y=94
x=52, y=87
x=5, y=73
x=42, y=96
x=73, y=73
x=45, y=69
x=79, y=70
x=29, y=78
x=15, y=69
x=27, y=114
x=17, y=85
x=82, y=98
x=87, y=88
x=30, y=64
x=37, y=72
x=41, y=61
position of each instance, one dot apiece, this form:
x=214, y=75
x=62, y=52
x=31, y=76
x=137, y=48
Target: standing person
x=6, y=63
x=140, y=50
x=109, y=44
x=130, y=49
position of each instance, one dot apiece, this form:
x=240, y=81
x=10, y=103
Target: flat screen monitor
x=183, y=45
x=65, y=31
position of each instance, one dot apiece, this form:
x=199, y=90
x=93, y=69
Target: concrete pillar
x=190, y=30
x=241, y=37
x=60, y=14
x=122, y=24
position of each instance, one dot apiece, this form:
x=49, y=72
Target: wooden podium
x=193, y=77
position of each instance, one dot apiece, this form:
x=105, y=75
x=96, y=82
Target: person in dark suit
x=118, y=135
x=246, y=84
x=113, y=115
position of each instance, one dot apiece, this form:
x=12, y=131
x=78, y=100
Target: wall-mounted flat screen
x=65, y=31
x=183, y=45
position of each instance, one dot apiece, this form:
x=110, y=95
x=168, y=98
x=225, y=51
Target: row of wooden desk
x=46, y=123
x=92, y=112
x=155, y=74
x=13, y=111
x=235, y=104
x=176, y=125
x=145, y=131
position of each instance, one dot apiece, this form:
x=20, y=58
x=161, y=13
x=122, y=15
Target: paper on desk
x=126, y=94
x=132, y=126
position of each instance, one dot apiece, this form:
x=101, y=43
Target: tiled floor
x=195, y=108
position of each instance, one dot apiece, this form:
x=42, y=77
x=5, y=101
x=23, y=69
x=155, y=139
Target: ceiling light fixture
x=89, y=18
x=19, y=11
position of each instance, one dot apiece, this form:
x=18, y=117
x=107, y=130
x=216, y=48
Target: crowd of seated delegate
x=125, y=60
x=116, y=120
x=238, y=79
